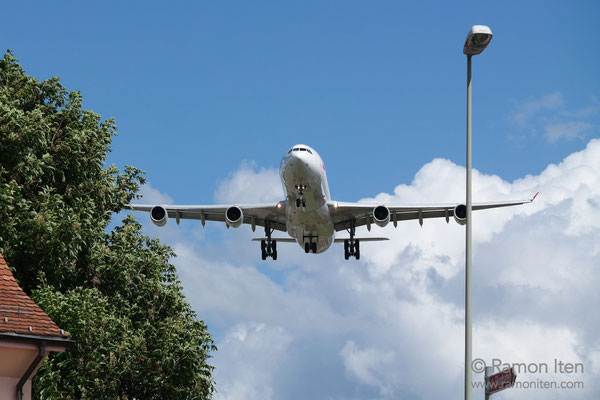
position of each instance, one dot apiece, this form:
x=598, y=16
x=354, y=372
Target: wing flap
x=363, y=239
x=278, y=240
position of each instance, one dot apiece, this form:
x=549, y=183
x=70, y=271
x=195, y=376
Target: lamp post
x=477, y=40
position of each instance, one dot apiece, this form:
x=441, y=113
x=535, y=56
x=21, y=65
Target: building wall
x=15, y=359
x=8, y=388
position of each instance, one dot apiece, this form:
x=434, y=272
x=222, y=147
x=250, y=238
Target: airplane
x=308, y=214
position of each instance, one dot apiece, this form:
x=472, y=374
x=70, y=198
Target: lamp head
x=477, y=40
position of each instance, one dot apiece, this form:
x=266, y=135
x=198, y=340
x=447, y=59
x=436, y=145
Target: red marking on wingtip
x=534, y=196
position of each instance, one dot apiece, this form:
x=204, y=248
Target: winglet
x=534, y=196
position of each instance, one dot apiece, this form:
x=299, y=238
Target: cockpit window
x=299, y=149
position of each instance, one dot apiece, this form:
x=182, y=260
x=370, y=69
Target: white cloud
x=587, y=111
x=568, y=130
x=391, y=325
x=263, y=347
x=249, y=186
x=548, y=116
x=526, y=110
x=367, y=364
x=151, y=195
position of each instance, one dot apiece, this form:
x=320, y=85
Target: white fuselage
x=303, y=176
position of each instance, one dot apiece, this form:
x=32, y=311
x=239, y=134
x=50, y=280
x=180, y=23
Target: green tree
x=115, y=292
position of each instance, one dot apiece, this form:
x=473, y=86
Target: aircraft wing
x=344, y=214
x=255, y=214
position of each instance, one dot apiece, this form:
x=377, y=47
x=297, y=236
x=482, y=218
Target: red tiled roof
x=18, y=313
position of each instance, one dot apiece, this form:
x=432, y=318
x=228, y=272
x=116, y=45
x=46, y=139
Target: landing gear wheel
x=356, y=250
x=268, y=247
x=298, y=203
x=313, y=247
x=263, y=252
x=307, y=247
x=346, y=250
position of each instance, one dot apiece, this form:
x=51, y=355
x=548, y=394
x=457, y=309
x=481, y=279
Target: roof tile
x=18, y=313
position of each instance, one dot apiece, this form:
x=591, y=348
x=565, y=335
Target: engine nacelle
x=159, y=215
x=381, y=216
x=460, y=214
x=234, y=216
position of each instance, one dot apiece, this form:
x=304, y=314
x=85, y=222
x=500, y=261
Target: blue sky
x=209, y=95
x=197, y=87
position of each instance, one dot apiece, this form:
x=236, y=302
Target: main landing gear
x=310, y=245
x=300, y=202
x=268, y=248
x=352, y=246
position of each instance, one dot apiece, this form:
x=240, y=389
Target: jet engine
x=381, y=215
x=159, y=215
x=460, y=214
x=234, y=216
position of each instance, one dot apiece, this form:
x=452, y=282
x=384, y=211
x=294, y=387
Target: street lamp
x=477, y=40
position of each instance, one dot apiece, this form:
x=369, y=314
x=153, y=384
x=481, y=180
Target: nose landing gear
x=300, y=202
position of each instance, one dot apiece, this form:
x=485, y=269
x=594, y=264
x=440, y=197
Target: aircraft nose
x=298, y=161
x=296, y=156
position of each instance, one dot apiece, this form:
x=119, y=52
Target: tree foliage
x=115, y=292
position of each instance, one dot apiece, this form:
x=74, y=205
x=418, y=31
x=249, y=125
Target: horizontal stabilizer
x=366, y=239
x=278, y=240
x=341, y=240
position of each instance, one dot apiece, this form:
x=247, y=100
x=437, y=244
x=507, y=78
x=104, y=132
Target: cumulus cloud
x=151, y=195
x=366, y=364
x=391, y=325
x=250, y=186
x=263, y=348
